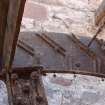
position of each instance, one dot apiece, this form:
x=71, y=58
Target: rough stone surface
x=35, y=11
x=3, y=94
x=77, y=14
x=83, y=90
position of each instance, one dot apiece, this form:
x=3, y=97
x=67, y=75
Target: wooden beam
x=15, y=13
x=22, y=71
x=100, y=13
x=82, y=72
x=4, y=4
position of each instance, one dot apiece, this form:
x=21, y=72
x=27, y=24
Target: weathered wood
x=22, y=71
x=100, y=13
x=82, y=72
x=15, y=13
x=3, y=19
x=9, y=89
x=11, y=16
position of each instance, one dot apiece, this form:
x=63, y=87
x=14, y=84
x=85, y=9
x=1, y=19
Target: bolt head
x=14, y=76
x=54, y=75
x=34, y=75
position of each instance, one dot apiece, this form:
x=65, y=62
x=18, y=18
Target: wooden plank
x=3, y=17
x=14, y=18
x=100, y=13
x=82, y=72
x=9, y=90
x=22, y=71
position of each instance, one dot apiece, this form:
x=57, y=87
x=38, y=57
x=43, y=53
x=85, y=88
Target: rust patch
x=61, y=81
